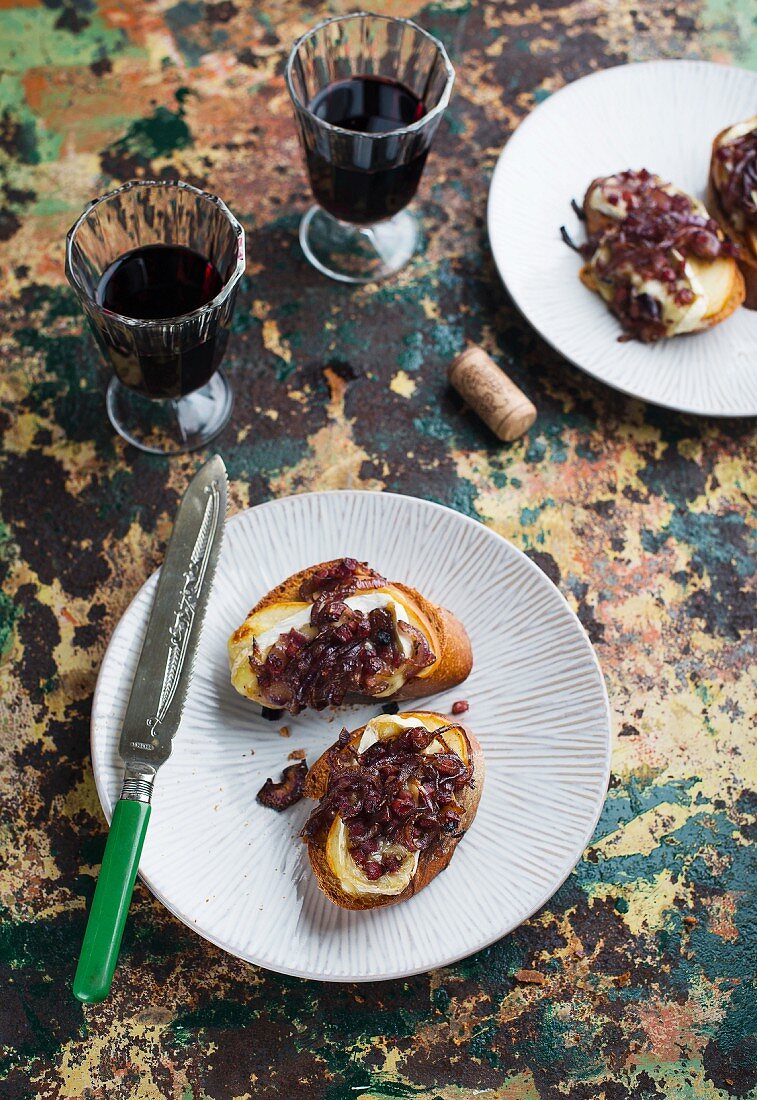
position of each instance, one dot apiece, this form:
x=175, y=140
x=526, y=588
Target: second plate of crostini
x=658, y=115
x=238, y=873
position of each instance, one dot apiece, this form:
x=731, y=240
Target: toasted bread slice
x=723, y=282
x=341, y=880
x=445, y=635
x=746, y=239
x=720, y=281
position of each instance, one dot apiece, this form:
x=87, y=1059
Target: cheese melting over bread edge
x=265, y=626
x=709, y=282
x=351, y=877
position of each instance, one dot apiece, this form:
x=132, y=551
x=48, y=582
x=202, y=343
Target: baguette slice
x=444, y=633
x=719, y=280
x=337, y=874
x=746, y=238
x=724, y=284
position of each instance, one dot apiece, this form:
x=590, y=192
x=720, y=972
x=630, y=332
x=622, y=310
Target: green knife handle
x=115, y=885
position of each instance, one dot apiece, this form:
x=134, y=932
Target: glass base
x=358, y=254
x=173, y=426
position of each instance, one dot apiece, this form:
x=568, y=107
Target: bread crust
x=447, y=636
x=430, y=862
x=596, y=223
x=747, y=262
x=448, y=639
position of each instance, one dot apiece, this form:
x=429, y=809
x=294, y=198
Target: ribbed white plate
x=660, y=115
x=238, y=874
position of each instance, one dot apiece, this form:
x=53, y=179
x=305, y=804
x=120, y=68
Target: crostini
x=658, y=259
x=395, y=798
x=732, y=195
x=340, y=629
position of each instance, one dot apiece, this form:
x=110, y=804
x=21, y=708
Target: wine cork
x=491, y=394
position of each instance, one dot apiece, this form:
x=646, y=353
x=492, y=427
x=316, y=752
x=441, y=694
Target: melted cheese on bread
x=264, y=627
x=352, y=878
x=710, y=282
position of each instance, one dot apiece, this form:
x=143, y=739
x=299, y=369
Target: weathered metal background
x=641, y=983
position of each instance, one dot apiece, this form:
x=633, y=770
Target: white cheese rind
x=678, y=318
x=365, y=602
x=242, y=642
x=738, y=130
x=598, y=200
x=351, y=877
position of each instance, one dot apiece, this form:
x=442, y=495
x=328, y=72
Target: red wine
x=347, y=189
x=162, y=283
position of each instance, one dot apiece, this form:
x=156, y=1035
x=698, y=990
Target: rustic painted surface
x=634, y=981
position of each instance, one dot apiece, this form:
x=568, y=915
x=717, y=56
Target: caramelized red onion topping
x=392, y=794
x=659, y=233
x=352, y=652
x=344, y=576
x=738, y=191
x=282, y=795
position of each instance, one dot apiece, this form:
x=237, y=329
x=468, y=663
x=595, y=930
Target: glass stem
x=376, y=241
x=176, y=406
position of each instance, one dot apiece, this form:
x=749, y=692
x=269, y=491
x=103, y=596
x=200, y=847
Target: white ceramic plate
x=237, y=873
x=660, y=115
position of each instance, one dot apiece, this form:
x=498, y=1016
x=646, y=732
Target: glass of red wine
x=369, y=92
x=156, y=265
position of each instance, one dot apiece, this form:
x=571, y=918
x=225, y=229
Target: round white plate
x=660, y=115
x=237, y=872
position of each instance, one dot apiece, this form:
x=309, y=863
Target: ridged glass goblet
x=172, y=256
x=369, y=92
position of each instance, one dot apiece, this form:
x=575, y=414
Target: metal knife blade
x=173, y=631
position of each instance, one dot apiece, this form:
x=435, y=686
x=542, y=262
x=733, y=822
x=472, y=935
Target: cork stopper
x=491, y=394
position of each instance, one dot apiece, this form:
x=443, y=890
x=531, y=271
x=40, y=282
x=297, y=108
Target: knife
x=153, y=715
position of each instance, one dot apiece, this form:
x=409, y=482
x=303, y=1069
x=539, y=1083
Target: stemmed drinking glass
x=156, y=265
x=369, y=92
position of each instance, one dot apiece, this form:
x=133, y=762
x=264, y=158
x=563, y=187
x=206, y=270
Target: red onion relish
x=288, y=791
x=738, y=188
x=392, y=794
x=352, y=652
x=654, y=240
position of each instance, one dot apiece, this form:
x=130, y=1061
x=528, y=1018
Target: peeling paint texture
x=636, y=979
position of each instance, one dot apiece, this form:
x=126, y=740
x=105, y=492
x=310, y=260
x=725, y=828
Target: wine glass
x=156, y=265
x=369, y=92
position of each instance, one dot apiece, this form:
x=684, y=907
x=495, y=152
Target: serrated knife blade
x=165, y=664
x=153, y=715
